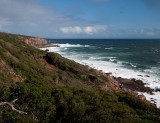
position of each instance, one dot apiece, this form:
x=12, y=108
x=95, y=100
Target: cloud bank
x=27, y=17
x=148, y=31
x=87, y=30
x=30, y=18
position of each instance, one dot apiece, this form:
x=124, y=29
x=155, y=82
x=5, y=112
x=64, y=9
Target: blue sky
x=81, y=18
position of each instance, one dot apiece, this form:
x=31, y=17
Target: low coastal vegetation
x=49, y=88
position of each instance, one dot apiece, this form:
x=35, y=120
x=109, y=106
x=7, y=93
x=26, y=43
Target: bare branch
x=14, y=101
x=12, y=106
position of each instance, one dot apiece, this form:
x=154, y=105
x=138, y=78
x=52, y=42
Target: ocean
x=127, y=58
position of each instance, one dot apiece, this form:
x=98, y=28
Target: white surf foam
x=101, y=58
x=71, y=45
x=117, y=69
x=109, y=48
x=155, y=98
x=51, y=49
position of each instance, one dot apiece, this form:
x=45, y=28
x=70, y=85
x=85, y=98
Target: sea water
x=127, y=58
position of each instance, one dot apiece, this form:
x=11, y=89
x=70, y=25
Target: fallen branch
x=12, y=106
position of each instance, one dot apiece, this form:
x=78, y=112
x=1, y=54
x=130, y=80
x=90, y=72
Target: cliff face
x=35, y=42
x=31, y=41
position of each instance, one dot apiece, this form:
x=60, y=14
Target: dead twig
x=12, y=106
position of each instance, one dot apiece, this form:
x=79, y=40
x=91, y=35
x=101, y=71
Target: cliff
x=37, y=86
x=35, y=42
x=31, y=41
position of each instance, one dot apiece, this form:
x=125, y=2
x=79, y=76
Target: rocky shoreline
x=134, y=86
x=49, y=45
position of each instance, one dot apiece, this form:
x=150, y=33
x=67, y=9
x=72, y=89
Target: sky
x=60, y=19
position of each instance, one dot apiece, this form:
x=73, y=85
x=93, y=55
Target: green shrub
x=44, y=101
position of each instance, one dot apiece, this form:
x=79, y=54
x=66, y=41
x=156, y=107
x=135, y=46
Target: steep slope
x=50, y=88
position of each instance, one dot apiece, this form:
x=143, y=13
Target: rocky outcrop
x=142, y=97
x=134, y=85
x=36, y=42
x=31, y=41
x=112, y=85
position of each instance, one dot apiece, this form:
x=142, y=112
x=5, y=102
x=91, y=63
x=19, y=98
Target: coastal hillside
x=38, y=86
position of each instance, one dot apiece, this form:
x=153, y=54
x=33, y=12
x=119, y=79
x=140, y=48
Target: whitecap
x=108, y=48
x=117, y=69
x=150, y=97
x=72, y=45
x=112, y=60
x=51, y=49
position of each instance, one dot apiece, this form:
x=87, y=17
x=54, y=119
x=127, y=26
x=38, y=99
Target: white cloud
x=87, y=29
x=75, y=29
x=90, y=30
x=150, y=33
x=135, y=31
x=30, y=18
x=142, y=31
